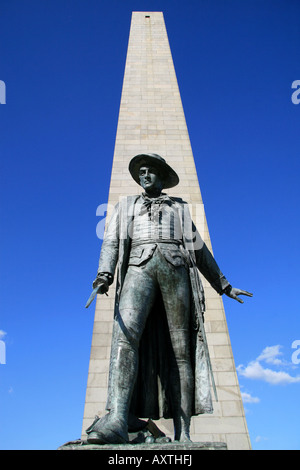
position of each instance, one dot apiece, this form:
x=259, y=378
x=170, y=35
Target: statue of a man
x=158, y=366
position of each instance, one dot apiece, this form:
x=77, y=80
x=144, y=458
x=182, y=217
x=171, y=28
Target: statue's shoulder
x=178, y=200
x=126, y=202
x=128, y=199
x=133, y=199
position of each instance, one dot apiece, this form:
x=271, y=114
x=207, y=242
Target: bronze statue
x=159, y=364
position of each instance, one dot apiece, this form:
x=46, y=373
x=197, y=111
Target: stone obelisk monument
x=152, y=120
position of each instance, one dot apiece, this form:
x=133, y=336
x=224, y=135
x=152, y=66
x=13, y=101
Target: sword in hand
x=101, y=287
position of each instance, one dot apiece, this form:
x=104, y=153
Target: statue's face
x=150, y=179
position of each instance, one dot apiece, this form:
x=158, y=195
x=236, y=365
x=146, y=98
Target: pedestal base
x=165, y=447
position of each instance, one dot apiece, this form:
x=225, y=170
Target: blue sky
x=62, y=63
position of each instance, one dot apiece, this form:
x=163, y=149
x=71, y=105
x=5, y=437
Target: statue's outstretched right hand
x=101, y=282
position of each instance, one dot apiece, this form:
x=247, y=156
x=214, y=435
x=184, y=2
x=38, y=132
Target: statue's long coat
x=152, y=397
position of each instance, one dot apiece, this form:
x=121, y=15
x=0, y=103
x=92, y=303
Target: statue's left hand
x=234, y=293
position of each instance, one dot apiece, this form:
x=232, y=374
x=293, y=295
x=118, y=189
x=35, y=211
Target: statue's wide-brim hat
x=168, y=175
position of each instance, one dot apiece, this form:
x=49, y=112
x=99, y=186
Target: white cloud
x=247, y=398
x=256, y=371
x=270, y=355
x=260, y=439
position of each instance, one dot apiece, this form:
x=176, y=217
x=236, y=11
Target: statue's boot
x=113, y=427
x=108, y=430
x=182, y=405
x=182, y=427
x=182, y=389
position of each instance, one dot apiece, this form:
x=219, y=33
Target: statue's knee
x=130, y=328
x=128, y=342
x=180, y=344
x=128, y=338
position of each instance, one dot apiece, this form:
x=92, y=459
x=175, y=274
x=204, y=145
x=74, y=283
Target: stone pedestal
x=166, y=448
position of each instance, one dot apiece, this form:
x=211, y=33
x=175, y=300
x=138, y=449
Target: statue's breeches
x=140, y=289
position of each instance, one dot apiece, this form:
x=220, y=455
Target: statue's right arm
x=110, y=249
